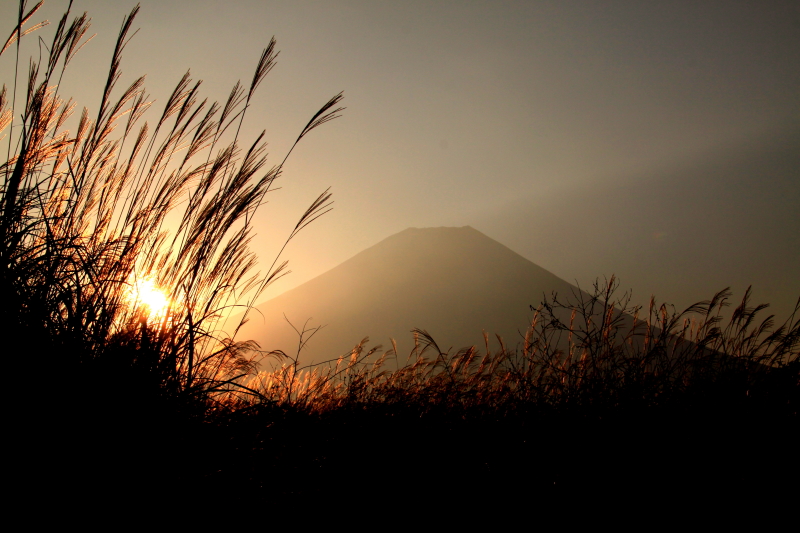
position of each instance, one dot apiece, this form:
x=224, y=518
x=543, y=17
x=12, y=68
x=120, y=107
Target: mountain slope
x=453, y=282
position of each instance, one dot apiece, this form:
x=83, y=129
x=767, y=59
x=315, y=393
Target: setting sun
x=145, y=293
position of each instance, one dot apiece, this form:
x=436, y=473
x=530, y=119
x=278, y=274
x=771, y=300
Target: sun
x=145, y=293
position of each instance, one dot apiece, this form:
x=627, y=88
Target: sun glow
x=145, y=294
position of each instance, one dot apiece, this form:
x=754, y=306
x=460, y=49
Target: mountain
x=454, y=283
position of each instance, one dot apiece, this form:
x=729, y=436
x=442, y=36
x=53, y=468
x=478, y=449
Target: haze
x=658, y=141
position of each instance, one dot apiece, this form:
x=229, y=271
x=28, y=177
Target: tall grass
x=601, y=394
x=85, y=215
x=606, y=356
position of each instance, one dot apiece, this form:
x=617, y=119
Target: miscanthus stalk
x=89, y=215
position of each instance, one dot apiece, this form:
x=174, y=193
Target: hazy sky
x=656, y=140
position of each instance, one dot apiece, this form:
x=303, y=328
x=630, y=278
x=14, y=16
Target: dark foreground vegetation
x=105, y=393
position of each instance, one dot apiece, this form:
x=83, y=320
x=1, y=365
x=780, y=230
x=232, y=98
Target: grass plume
x=85, y=215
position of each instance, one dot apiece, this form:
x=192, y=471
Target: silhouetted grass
x=604, y=398
x=85, y=215
x=110, y=393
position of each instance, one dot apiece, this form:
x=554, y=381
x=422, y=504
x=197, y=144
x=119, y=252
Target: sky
x=656, y=141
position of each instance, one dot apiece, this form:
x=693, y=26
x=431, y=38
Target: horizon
x=486, y=296
x=734, y=300
x=656, y=143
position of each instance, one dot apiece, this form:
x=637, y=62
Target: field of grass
x=109, y=392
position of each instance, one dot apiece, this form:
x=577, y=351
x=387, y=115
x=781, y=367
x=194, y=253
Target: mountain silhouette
x=455, y=283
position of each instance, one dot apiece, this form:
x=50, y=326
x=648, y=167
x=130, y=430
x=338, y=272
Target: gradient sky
x=658, y=141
